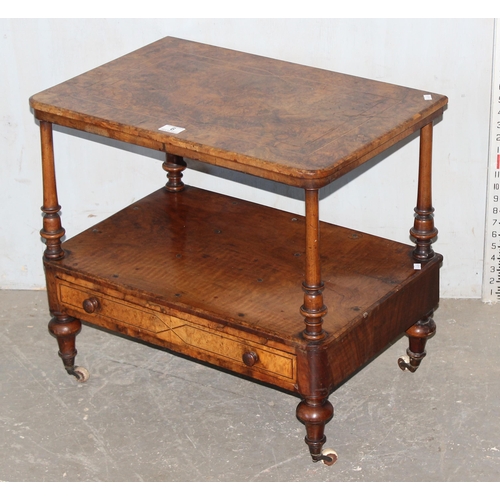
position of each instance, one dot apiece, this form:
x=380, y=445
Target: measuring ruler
x=491, y=271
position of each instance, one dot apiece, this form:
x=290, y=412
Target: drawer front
x=190, y=335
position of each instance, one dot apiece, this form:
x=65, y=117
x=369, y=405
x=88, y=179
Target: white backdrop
x=96, y=177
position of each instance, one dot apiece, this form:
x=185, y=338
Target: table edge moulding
x=283, y=299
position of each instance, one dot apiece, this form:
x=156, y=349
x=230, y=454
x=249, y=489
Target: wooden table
x=232, y=283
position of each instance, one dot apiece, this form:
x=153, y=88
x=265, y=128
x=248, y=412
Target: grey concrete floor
x=148, y=415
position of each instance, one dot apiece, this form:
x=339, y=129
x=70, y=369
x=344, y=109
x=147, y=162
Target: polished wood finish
x=423, y=231
x=280, y=298
x=313, y=309
x=174, y=166
x=294, y=124
x=52, y=230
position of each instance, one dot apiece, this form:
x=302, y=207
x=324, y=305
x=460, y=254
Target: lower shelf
x=219, y=279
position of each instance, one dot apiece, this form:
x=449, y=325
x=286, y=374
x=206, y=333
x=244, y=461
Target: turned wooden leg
x=314, y=413
x=418, y=335
x=65, y=329
x=423, y=234
x=61, y=326
x=52, y=231
x=315, y=410
x=423, y=231
x=313, y=308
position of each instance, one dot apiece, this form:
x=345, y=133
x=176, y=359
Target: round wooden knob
x=91, y=305
x=250, y=358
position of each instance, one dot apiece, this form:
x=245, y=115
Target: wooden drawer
x=187, y=334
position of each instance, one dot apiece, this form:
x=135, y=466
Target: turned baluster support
x=315, y=410
x=63, y=327
x=423, y=233
x=174, y=166
x=52, y=230
x=313, y=308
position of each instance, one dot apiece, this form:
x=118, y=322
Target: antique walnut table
x=238, y=285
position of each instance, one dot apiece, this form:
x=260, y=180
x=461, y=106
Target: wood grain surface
x=295, y=124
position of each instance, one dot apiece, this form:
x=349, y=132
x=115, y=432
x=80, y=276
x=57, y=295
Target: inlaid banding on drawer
x=217, y=344
x=111, y=308
x=179, y=334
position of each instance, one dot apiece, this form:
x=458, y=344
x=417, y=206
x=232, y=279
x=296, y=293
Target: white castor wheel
x=81, y=374
x=403, y=362
x=329, y=456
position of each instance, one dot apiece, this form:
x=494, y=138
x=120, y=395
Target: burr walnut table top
x=295, y=124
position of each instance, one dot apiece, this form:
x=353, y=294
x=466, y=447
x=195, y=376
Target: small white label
x=417, y=265
x=427, y=97
x=172, y=129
